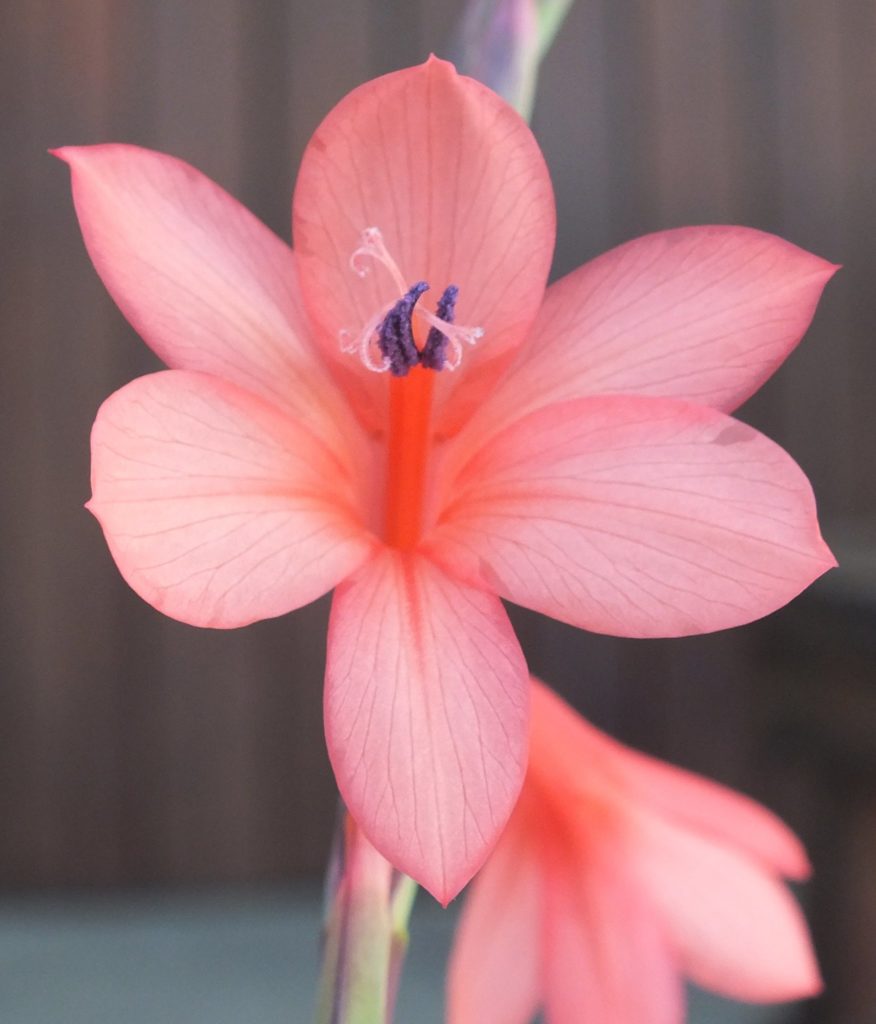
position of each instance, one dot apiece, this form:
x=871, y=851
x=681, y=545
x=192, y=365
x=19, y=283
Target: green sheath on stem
x=366, y=933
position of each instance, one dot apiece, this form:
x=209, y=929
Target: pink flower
x=578, y=459
x=617, y=875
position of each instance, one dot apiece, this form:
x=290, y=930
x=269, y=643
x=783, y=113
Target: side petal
x=738, y=931
x=218, y=509
x=206, y=285
x=456, y=183
x=606, y=955
x=426, y=713
x=495, y=970
x=634, y=517
x=705, y=314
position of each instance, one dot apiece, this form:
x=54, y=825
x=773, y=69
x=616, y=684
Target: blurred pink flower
x=578, y=461
x=618, y=875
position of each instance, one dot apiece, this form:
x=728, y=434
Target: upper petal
x=218, y=509
x=701, y=313
x=201, y=279
x=737, y=929
x=426, y=713
x=635, y=517
x=456, y=183
x=496, y=964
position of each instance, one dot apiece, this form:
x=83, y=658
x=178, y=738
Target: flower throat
x=392, y=342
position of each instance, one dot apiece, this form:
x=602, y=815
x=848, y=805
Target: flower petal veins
x=706, y=314
x=219, y=509
x=426, y=707
x=634, y=516
x=205, y=284
x=455, y=181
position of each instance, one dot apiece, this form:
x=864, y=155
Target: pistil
x=409, y=343
x=410, y=409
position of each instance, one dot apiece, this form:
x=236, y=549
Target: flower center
x=388, y=340
x=407, y=340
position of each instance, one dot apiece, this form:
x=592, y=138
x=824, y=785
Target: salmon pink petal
x=219, y=509
x=495, y=970
x=706, y=314
x=737, y=928
x=606, y=956
x=426, y=712
x=564, y=740
x=635, y=517
x=203, y=281
x=454, y=180
x=714, y=810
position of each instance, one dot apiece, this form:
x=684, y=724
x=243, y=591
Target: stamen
x=396, y=333
x=365, y=343
x=387, y=340
x=455, y=335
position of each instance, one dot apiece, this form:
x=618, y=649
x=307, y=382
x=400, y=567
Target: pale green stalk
x=400, y=914
x=503, y=42
x=551, y=15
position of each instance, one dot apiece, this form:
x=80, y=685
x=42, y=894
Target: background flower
x=617, y=876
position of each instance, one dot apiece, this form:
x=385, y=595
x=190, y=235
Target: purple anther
x=434, y=354
x=395, y=336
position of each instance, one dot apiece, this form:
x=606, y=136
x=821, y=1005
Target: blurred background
x=165, y=798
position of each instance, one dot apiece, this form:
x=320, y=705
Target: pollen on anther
x=434, y=354
x=387, y=342
x=395, y=335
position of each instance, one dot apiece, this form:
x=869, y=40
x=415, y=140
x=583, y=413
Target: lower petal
x=635, y=517
x=606, y=956
x=736, y=927
x=426, y=712
x=219, y=509
x=495, y=970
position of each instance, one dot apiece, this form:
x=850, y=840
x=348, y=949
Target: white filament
x=365, y=342
x=373, y=246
